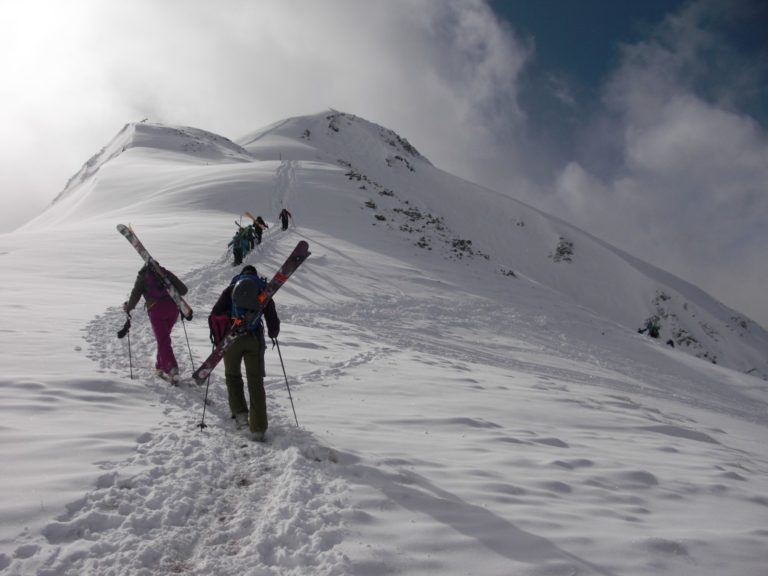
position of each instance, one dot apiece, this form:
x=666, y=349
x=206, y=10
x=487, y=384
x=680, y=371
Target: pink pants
x=163, y=316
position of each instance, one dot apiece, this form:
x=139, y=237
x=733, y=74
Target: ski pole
x=191, y=360
x=286, y=381
x=130, y=356
x=202, y=424
x=126, y=331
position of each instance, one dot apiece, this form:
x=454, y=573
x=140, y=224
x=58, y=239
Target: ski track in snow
x=285, y=182
x=231, y=504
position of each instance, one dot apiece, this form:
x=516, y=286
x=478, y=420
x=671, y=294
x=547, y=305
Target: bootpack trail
x=200, y=502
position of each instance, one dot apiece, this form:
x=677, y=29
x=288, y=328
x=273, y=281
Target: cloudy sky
x=641, y=122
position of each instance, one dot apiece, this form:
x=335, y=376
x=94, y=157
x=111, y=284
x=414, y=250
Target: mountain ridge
x=400, y=191
x=464, y=386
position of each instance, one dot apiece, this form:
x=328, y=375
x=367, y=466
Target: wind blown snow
x=472, y=391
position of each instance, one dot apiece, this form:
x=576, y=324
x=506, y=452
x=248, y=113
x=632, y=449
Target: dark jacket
x=140, y=289
x=223, y=307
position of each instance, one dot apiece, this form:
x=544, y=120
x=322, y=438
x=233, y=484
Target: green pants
x=249, y=348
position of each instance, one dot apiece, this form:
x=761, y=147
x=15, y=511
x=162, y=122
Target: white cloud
x=443, y=74
x=670, y=168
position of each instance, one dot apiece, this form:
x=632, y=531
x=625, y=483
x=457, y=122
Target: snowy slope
x=438, y=211
x=429, y=207
x=473, y=394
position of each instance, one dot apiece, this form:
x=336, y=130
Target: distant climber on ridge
x=240, y=246
x=250, y=234
x=260, y=226
x=285, y=216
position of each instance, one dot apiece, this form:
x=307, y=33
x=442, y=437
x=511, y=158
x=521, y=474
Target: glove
x=125, y=329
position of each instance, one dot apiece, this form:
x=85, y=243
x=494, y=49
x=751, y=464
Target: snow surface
x=482, y=407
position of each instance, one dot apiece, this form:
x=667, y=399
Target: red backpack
x=218, y=326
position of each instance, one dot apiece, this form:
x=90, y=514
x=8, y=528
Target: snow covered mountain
x=399, y=190
x=473, y=392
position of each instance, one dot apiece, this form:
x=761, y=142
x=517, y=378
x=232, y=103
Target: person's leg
x=254, y=371
x=163, y=316
x=234, y=378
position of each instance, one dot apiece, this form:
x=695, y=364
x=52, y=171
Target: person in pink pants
x=163, y=314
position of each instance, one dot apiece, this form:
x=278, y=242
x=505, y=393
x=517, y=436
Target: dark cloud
x=691, y=190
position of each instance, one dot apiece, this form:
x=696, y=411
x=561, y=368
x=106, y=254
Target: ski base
x=130, y=235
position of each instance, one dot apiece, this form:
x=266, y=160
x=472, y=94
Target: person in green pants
x=238, y=302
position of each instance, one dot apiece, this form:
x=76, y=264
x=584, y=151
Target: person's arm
x=138, y=290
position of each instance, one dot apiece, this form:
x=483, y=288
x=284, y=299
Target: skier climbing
x=285, y=216
x=260, y=226
x=240, y=246
x=238, y=302
x=163, y=314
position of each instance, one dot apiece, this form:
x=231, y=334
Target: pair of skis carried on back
x=294, y=260
x=184, y=308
